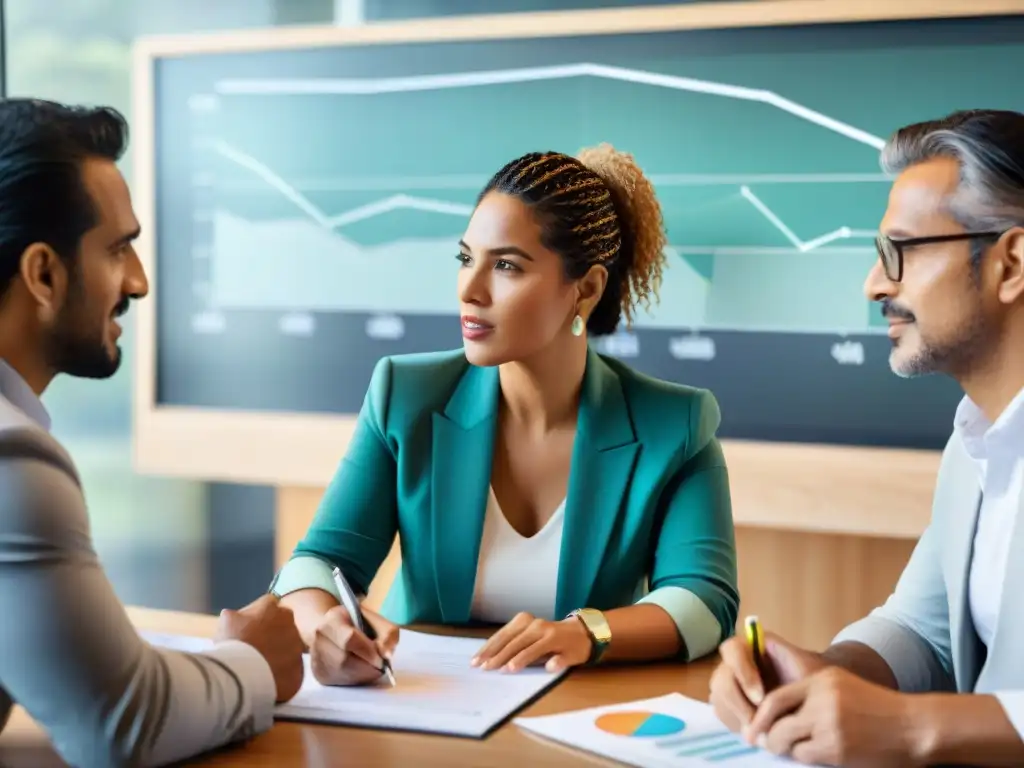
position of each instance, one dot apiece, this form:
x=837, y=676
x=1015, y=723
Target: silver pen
x=348, y=599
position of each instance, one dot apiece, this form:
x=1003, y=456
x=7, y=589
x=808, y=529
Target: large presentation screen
x=308, y=202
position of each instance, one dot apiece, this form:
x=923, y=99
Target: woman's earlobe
x=45, y=314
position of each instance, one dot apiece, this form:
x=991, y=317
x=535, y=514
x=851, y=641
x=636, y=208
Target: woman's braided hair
x=595, y=208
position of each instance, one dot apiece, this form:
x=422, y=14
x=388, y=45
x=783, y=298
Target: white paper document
x=177, y=642
x=437, y=691
x=666, y=732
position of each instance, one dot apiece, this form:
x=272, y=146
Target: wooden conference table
x=23, y=744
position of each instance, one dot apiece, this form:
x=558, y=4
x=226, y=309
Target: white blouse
x=515, y=573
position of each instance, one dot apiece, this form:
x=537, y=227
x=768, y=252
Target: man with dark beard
x=68, y=653
x=950, y=278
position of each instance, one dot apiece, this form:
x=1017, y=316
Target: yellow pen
x=755, y=639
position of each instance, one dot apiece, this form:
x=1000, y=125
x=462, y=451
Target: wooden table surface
x=23, y=744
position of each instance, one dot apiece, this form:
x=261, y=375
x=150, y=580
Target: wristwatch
x=597, y=627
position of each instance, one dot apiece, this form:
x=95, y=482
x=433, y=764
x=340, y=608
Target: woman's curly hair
x=595, y=208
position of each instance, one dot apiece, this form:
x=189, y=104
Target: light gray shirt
x=967, y=566
x=68, y=652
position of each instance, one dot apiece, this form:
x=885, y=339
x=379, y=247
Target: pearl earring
x=577, y=325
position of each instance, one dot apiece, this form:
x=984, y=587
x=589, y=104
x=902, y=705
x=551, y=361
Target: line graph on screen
x=734, y=257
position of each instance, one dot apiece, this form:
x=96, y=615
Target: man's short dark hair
x=42, y=196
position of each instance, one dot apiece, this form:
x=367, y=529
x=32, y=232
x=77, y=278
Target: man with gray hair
x=950, y=280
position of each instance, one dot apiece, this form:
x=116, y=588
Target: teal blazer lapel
x=603, y=458
x=463, y=445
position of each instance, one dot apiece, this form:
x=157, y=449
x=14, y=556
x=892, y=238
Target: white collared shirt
x=21, y=396
x=998, y=453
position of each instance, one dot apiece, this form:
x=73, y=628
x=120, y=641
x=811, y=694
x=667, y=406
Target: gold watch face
x=597, y=624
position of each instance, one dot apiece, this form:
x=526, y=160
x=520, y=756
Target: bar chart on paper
x=672, y=731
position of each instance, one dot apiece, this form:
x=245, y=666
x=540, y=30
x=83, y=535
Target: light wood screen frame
x=822, y=488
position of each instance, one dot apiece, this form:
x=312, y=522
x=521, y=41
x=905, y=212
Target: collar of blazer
x=957, y=504
x=602, y=465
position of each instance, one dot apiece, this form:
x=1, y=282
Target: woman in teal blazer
x=532, y=482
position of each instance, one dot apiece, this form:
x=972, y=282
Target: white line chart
x=379, y=85
x=476, y=181
x=363, y=212
x=801, y=245
x=740, y=292
x=462, y=210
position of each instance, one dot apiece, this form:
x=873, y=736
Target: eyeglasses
x=891, y=251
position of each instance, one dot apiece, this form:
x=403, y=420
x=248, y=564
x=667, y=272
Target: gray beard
x=953, y=356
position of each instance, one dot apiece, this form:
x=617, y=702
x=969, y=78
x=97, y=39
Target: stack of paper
x=665, y=732
x=437, y=691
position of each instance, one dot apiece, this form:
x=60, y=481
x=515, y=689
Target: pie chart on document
x=639, y=724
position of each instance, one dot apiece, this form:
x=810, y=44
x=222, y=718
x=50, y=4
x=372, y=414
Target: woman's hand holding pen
x=340, y=654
